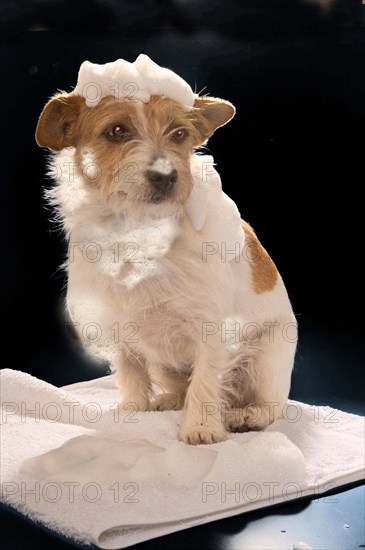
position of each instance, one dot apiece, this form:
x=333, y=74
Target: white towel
x=69, y=460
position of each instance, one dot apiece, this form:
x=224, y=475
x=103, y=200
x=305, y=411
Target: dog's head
x=130, y=150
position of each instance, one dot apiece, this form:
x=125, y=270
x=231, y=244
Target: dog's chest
x=161, y=315
x=169, y=310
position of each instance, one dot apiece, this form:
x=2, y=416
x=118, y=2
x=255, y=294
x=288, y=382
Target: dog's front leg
x=202, y=418
x=134, y=382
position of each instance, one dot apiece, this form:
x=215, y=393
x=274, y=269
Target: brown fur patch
x=211, y=113
x=56, y=124
x=263, y=270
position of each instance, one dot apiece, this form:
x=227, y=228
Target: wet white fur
x=162, y=165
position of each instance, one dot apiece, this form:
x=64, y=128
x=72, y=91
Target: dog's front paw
x=167, y=402
x=202, y=434
x=258, y=417
x=252, y=417
x=134, y=404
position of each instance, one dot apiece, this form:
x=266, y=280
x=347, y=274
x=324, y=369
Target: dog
x=215, y=338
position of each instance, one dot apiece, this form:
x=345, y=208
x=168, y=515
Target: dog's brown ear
x=210, y=113
x=56, y=125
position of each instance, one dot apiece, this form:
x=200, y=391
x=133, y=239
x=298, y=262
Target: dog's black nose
x=162, y=182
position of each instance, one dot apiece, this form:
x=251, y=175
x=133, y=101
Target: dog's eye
x=179, y=135
x=117, y=132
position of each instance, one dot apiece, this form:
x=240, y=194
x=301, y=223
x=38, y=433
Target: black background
x=292, y=159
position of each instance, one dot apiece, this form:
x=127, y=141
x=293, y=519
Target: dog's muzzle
x=162, y=183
